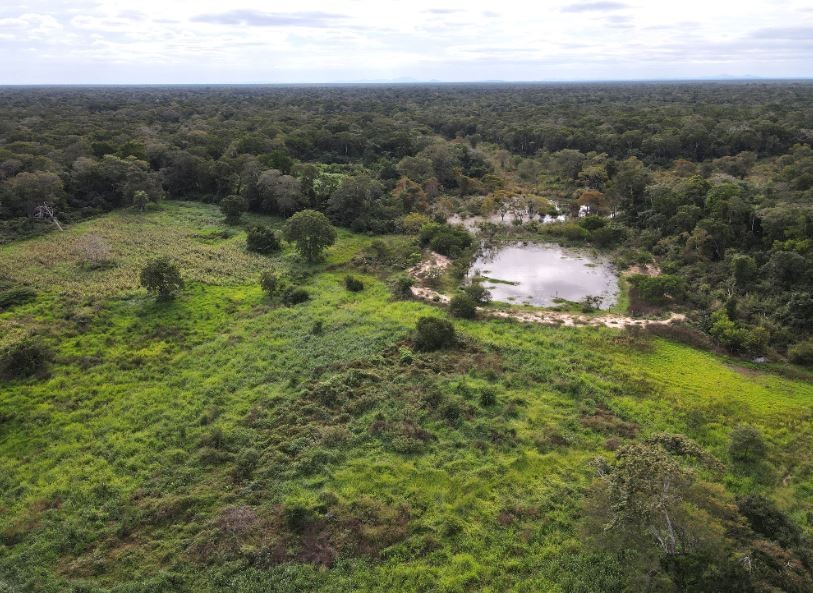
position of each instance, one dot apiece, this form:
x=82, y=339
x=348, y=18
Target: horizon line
x=397, y=82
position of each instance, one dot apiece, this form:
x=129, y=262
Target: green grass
x=118, y=469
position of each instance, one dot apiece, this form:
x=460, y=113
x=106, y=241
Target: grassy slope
x=115, y=471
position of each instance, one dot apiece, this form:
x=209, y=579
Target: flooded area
x=539, y=274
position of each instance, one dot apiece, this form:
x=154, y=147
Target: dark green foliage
x=433, y=333
x=262, y=239
x=802, y=353
x=463, y=306
x=16, y=295
x=353, y=284
x=444, y=239
x=766, y=519
x=658, y=290
x=232, y=207
x=271, y=283
x=294, y=295
x=161, y=278
x=746, y=444
x=402, y=287
x=488, y=397
x=477, y=292
x=312, y=233
x=246, y=463
x=23, y=359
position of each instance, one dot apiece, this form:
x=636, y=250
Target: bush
x=444, y=239
x=433, y=333
x=246, y=463
x=479, y=293
x=162, y=278
x=233, y=207
x=801, y=353
x=657, y=290
x=735, y=338
x=488, y=397
x=271, y=283
x=766, y=519
x=262, y=239
x=592, y=222
x=746, y=445
x=16, y=295
x=413, y=222
x=462, y=305
x=402, y=287
x=353, y=284
x=23, y=359
x=609, y=235
x=295, y=296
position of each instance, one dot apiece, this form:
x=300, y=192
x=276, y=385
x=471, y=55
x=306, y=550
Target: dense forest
x=239, y=349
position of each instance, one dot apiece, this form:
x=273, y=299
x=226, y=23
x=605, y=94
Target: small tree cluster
x=312, y=233
x=233, y=207
x=353, y=284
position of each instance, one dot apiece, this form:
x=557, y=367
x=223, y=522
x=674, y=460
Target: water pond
x=540, y=274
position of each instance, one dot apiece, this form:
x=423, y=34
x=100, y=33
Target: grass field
x=217, y=442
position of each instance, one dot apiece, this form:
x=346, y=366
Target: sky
x=312, y=41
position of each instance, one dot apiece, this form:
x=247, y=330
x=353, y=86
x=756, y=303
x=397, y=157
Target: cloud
x=594, y=6
x=784, y=33
x=443, y=10
x=256, y=18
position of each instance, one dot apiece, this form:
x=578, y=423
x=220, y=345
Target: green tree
x=161, y=278
x=312, y=233
x=233, y=207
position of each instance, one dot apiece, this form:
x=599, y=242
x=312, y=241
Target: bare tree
x=46, y=213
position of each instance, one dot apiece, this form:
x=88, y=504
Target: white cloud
x=165, y=41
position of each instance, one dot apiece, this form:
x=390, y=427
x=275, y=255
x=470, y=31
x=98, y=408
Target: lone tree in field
x=312, y=233
x=233, y=207
x=161, y=278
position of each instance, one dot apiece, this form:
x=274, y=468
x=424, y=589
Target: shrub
x=478, y=293
x=413, y=222
x=802, y=353
x=262, y=239
x=609, y=235
x=246, y=463
x=766, y=519
x=658, y=289
x=271, y=283
x=463, y=306
x=736, y=338
x=294, y=296
x=746, y=445
x=162, y=278
x=592, y=222
x=445, y=239
x=16, y=295
x=488, y=397
x=353, y=284
x=433, y=333
x=23, y=359
x=233, y=207
x=402, y=287
x=318, y=328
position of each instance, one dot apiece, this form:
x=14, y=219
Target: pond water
x=539, y=274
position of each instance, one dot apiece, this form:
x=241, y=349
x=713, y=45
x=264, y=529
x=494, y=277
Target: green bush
x=23, y=359
x=246, y=463
x=16, y=295
x=736, y=338
x=658, y=290
x=262, y=239
x=233, y=207
x=801, y=353
x=463, y=306
x=161, y=278
x=479, y=293
x=312, y=233
x=294, y=296
x=444, y=239
x=271, y=283
x=746, y=445
x=766, y=519
x=433, y=333
x=592, y=222
x=353, y=284
x=609, y=235
x=402, y=287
